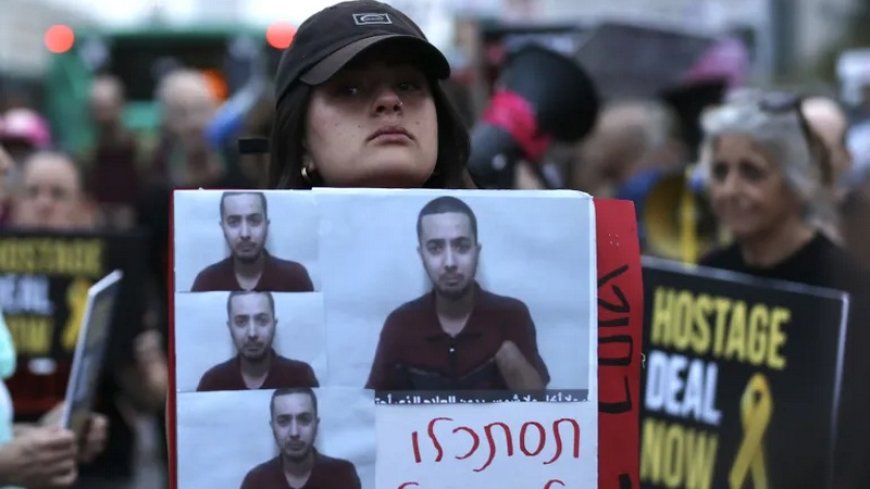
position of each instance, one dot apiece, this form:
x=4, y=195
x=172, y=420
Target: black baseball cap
x=329, y=39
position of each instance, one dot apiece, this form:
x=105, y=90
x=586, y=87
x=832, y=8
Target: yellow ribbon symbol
x=76, y=299
x=756, y=408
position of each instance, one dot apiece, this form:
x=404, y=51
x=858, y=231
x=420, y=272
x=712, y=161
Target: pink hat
x=727, y=59
x=25, y=125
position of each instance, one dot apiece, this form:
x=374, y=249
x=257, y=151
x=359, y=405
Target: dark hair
x=288, y=132
x=292, y=390
x=236, y=293
x=233, y=194
x=444, y=204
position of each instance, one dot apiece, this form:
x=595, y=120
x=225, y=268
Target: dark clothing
x=414, y=352
x=327, y=473
x=114, y=177
x=283, y=373
x=821, y=263
x=278, y=276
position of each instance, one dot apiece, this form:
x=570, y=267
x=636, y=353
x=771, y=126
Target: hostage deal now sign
x=741, y=380
x=44, y=281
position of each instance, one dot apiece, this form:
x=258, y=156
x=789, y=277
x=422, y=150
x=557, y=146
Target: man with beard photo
x=457, y=336
x=299, y=465
x=252, y=323
x=245, y=225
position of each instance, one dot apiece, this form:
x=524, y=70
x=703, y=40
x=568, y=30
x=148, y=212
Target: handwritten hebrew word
x=549, y=485
x=532, y=440
x=614, y=350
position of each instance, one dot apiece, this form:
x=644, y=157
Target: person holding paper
x=41, y=454
x=359, y=104
x=252, y=323
x=294, y=422
x=458, y=336
x=245, y=225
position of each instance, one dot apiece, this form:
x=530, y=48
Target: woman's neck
x=770, y=248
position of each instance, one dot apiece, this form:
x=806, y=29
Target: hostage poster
x=385, y=339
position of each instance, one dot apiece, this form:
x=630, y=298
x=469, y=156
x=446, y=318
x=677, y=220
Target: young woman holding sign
x=767, y=176
x=359, y=105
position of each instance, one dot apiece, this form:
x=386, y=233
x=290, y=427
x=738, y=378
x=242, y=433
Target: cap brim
x=433, y=60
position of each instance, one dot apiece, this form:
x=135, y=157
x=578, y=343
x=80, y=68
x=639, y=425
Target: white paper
x=536, y=247
x=519, y=445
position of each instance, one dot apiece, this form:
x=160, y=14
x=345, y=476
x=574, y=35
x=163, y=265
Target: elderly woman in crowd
x=769, y=182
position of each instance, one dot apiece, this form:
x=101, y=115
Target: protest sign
x=44, y=282
x=620, y=316
x=90, y=351
x=742, y=380
x=343, y=333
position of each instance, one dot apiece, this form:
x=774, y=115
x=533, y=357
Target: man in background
x=112, y=166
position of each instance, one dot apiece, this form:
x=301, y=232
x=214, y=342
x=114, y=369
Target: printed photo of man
x=458, y=336
x=294, y=422
x=245, y=226
x=251, y=321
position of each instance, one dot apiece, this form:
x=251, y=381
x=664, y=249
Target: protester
x=52, y=195
x=829, y=122
x=52, y=198
x=358, y=103
x=24, y=131
x=186, y=158
x=767, y=187
x=631, y=138
x=42, y=454
x=112, y=166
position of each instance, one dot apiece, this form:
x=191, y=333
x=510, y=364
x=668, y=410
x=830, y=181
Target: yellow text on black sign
x=673, y=455
x=728, y=329
x=31, y=335
x=80, y=257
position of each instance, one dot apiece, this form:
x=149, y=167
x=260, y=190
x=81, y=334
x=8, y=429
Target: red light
x=59, y=38
x=280, y=35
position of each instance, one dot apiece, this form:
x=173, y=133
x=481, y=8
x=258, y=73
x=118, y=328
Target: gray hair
x=780, y=136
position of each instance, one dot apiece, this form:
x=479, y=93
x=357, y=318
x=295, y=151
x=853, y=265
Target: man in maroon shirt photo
x=245, y=224
x=252, y=323
x=294, y=423
x=458, y=336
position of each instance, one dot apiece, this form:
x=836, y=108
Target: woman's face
x=748, y=192
x=372, y=125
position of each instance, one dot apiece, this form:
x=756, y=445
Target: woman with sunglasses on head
x=767, y=179
x=359, y=105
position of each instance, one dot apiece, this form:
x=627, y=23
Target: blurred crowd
x=751, y=186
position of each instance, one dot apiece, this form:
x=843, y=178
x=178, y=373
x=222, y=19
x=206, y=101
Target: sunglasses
x=783, y=102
